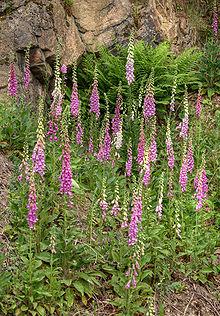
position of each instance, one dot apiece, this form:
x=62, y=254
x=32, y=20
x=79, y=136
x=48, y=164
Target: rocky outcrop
x=40, y=24
x=84, y=26
x=102, y=22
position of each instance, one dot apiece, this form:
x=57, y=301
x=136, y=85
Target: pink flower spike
x=153, y=150
x=74, y=102
x=79, y=133
x=94, y=99
x=149, y=106
x=183, y=178
x=66, y=173
x=201, y=186
x=38, y=158
x=91, y=146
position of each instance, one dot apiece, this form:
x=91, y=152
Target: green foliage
x=209, y=68
x=74, y=258
x=166, y=65
x=17, y=124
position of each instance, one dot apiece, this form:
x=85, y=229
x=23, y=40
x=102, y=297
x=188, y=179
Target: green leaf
x=44, y=293
x=44, y=256
x=24, y=308
x=69, y=297
x=79, y=287
x=67, y=282
x=75, y=184
x=41, y=310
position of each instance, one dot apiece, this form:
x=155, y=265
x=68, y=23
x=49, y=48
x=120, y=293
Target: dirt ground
x=195, y=300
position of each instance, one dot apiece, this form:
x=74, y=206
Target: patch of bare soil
x=195, y=300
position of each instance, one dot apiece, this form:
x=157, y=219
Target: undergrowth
x=77, y=250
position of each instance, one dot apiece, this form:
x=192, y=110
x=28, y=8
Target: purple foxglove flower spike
x=94, y=98
x=52, y=131
x=183, y=178
x=66, y=173
x=153, y=150
x=199, y=105
x=74, y=103
x=149, y=109
x=38, y=158
x=201, y=187
x=136, y=219
x=107, y=143
x=117, y=120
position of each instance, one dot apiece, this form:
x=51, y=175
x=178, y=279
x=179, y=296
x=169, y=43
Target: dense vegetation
x=114, y=196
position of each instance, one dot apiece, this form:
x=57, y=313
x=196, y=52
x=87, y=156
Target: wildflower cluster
x=66, y=173
x=149, y=109
x=94, y=98
x=136, y=217
x=201, y=187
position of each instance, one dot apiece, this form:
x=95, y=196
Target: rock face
x=39, y=24
x=102, y=22
x=84, y=26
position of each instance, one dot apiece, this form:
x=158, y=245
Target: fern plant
x=166, y=65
